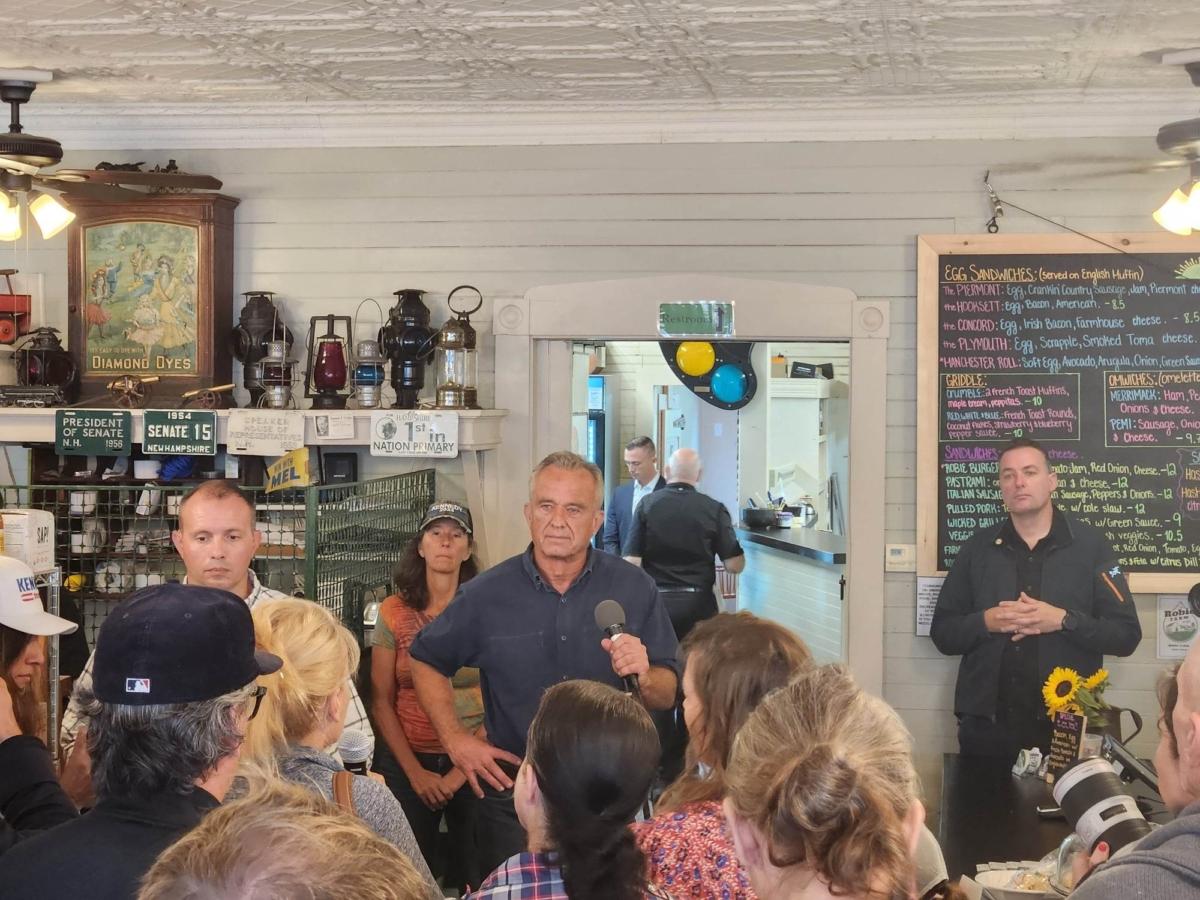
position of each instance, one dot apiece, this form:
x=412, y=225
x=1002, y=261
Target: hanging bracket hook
x=997, y=207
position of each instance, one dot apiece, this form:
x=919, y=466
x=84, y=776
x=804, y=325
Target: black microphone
x=610, y=618
x=355, y=749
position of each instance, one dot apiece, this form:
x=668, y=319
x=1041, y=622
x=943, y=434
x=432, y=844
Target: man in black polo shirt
x=529, y=623
x=1039, y=590
x=676, y=537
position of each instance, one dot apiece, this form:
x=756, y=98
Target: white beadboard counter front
x=795, y=577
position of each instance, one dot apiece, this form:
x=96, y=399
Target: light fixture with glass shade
x=51, y=215
x=1180, y=214
x=10, y=217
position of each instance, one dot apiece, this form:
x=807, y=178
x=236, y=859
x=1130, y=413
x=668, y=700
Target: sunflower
x=1060, y=688
x=1097, y=679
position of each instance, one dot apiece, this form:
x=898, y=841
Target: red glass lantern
x=327, y=369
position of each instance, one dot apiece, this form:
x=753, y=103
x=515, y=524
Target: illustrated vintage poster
x=140, y=299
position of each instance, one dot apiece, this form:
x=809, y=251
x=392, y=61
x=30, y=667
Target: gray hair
x=139, y=752
x=570, y=462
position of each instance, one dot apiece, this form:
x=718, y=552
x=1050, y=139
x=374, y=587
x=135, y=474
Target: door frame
x=533, y=338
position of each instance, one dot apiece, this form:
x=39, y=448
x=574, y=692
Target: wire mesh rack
x=358, y=532
x=336, y=546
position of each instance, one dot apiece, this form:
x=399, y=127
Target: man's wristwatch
x=1070, y=621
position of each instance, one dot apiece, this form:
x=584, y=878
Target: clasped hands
x=1023, y=617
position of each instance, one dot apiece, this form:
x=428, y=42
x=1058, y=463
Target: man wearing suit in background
x=642, y=462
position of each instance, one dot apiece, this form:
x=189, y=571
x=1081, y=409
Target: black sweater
x=1080, y=574
x=30, y=797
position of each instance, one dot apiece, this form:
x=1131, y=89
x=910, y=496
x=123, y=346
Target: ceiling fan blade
x=88, y=191
x=1063, y=162
x=1148, y=168
x=15, y=166
x=150, y=179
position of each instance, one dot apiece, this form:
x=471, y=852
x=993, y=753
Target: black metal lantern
x=258, y=324
x=43, y=362
x=408, y=341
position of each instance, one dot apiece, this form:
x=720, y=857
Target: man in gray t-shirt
x=1165, y=864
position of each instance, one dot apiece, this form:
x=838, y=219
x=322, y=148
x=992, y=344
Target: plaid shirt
x=533, y=876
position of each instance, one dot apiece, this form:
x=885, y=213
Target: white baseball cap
x=21, y=605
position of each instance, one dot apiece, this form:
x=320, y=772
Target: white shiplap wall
x=326, y=227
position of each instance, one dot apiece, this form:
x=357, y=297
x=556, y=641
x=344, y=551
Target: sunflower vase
x=1108, y=722
x=1067, y=691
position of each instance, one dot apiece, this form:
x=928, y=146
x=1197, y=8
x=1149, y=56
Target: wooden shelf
x=478, y=429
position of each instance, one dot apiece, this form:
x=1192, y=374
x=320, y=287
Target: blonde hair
x=733, y=660
x=823, y=772
x=318, y=654
x=282, y=841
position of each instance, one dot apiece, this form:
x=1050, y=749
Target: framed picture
x=151, y=291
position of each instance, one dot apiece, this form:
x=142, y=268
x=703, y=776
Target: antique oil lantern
x=43, y=362
x=328, y=370
x=258, y=324
x=277, y=374
x=457, y=361
x=368, y=374
x=407, y=340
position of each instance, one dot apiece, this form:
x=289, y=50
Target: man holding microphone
x=529, y=623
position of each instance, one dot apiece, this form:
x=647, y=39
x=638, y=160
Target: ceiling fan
x=24, y=156
x=1181, y=212
x=1180, y=141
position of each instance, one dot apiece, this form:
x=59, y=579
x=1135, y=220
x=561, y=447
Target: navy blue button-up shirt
x=524, y=636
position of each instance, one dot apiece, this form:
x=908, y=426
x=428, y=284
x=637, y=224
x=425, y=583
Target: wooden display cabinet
x=151, y=291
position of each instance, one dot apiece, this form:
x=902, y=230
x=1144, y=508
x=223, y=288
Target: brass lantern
x=457, y=360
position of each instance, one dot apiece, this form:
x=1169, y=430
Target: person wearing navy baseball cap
x=174, y=686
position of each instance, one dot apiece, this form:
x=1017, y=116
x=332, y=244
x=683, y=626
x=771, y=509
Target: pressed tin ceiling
x=241, y=71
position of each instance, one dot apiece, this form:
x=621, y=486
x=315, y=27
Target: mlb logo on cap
x=137, y=685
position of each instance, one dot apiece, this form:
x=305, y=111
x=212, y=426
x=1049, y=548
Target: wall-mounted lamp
x=1181, y=213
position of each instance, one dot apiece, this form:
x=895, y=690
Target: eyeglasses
x=259, y=693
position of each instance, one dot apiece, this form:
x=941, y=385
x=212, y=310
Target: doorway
x=535, y=335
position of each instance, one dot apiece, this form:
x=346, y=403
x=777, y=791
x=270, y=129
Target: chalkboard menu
x=1092, y=352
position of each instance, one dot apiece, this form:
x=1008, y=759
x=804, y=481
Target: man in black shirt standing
x=1039, y=590
x=677, y=534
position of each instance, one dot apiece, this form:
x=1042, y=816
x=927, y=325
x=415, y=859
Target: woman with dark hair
x=408, y=753
x=731, y=662
x=24, y=627
x=588, y=766
x=30, y=797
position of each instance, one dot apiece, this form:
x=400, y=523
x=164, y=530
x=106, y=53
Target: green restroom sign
x=92, y=432
x=695, y=318
x=174, y=432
